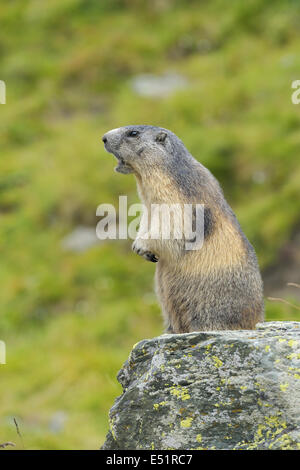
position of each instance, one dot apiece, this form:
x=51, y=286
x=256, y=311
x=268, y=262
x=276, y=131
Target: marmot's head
x=142, y=148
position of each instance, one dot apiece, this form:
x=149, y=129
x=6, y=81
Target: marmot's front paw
x=144, y=253
x=149, y=256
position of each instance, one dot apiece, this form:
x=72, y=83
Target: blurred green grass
x=69, y=320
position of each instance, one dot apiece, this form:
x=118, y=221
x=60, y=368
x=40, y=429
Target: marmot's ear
x=161, y=137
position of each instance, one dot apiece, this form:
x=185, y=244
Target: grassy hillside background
x=70, y=319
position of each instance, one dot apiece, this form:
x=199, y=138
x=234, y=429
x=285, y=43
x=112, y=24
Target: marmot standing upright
x=217, y=287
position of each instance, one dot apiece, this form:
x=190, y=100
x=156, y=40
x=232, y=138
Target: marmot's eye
x=133, y=134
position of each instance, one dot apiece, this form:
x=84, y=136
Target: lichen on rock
x=211, y=390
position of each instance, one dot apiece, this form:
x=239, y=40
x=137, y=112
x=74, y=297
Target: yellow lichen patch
x=111, y=427
x=180, y=392
x=186, y=423
x=267, y=348
x=223, y=403
x=284, y=386
x=291, y=343
x=285, y=442
x=297, y=376
x=243, y=387
x=281, y=340
x=260, y=430
x=260, y=387
x=292, y=356
x=275, y=421
x=260, y=403
x=217, y=361
x=273, y=426
x=157, y=405
x=199, y=438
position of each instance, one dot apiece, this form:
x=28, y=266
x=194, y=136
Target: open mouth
x=122, y=166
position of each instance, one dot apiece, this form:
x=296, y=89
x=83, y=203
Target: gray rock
x=83, y=238
x=157, y=86
x=57, y=421
x=80, y=239
x=211, y=390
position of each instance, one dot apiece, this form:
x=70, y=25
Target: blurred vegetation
x=69, y=319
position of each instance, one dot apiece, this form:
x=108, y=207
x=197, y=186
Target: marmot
x=217, y=287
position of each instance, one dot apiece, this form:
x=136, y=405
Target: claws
x=151, y=257
x=139, y=248
x=147, y=255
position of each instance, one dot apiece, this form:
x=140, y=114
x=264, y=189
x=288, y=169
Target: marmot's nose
x=104, y=138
